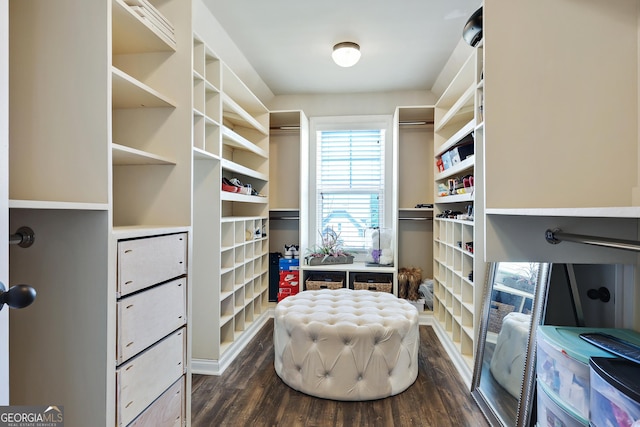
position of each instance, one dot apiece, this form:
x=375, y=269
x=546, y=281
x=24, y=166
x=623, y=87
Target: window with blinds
x=350, y=180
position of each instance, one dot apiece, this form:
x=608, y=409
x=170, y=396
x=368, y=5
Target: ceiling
x=404, y=43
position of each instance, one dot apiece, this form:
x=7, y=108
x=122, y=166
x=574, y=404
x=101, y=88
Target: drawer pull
x=128, y=251
x=128, y=282
x=129, y=306
x=130, y=344
x=129, y=367
x=129, y=404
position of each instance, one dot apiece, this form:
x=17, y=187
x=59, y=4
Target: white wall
x=209, y=29
x=351, y=104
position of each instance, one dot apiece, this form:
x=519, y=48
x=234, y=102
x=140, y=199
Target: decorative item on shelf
x=379, y=247
x=329, y=251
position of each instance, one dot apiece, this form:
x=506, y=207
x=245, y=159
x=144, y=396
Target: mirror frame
x=527, y=392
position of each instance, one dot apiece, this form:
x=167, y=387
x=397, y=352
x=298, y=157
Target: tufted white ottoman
x=507, y=361
x=346, y=345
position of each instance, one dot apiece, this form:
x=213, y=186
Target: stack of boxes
x=565, y=392
x=289, y=277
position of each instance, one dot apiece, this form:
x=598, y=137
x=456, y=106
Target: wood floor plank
x=249, y=393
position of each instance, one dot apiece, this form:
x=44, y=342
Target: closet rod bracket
x=549, y=235
x=24, y=237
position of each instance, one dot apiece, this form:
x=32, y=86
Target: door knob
x=18, y=296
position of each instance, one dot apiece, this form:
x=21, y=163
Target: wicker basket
x=497, y=311
x=373, y=282
x=314, y=283
x=371, y=286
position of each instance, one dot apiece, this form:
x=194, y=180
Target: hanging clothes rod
x=556, y=236
x=414, y=219
x=24, y=237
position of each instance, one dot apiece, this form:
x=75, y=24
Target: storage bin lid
x=619, y=373
x=567, y=339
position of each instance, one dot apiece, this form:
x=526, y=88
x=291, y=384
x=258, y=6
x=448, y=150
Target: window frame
x=367, y=122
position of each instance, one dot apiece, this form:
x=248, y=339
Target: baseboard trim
x=456, y=358
x=217, y=367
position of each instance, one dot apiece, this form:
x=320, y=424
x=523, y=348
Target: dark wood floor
x=249, y=393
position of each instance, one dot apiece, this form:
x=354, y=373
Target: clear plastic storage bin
x=563, y=362
x=553, y=414
x=615, y=393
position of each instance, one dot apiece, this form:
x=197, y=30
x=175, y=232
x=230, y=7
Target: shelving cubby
x=458, y=264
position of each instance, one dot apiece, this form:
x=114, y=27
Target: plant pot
x=330, y=260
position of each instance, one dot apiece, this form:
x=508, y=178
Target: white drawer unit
x=146, y=262
x=140, y=381
x=148, y=316
x=166, y=411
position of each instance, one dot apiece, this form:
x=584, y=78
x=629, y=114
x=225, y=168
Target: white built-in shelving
x=106, y=159
x=231, y=246
x=458, y=263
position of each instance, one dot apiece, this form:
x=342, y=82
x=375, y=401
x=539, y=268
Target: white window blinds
x=350, y=183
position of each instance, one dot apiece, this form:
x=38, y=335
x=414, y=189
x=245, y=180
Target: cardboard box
x=446, y=160
x=460, y=153
x=286, y=264
x=289, y=276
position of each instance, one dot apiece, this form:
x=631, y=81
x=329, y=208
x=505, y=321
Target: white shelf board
x=455, y=199
x=239, y=218
x=135, y=231
x=458, y=168
x=458, y=84
x=593, y=212
x=123, y=155
x=47, y=204
x=355, y=267
x=210, y=87
x=237, y=115
x=131, y=93
x=238, y=168
x=133, y=34
x=231, y=138
x=272, y=209
x=462, y=106
x=415, y=209
x=197, y=75
x=235, y=197
x=464, y=131
x=200, y=154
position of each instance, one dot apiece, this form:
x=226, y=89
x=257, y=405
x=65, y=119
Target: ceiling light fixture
x=346, y=54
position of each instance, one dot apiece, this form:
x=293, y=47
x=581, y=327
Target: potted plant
x=329, y=251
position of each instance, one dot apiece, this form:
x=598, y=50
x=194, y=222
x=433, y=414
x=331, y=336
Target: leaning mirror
x=504, y=372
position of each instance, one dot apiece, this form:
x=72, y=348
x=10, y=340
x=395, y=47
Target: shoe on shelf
x=228, y=186
x=291, y=251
